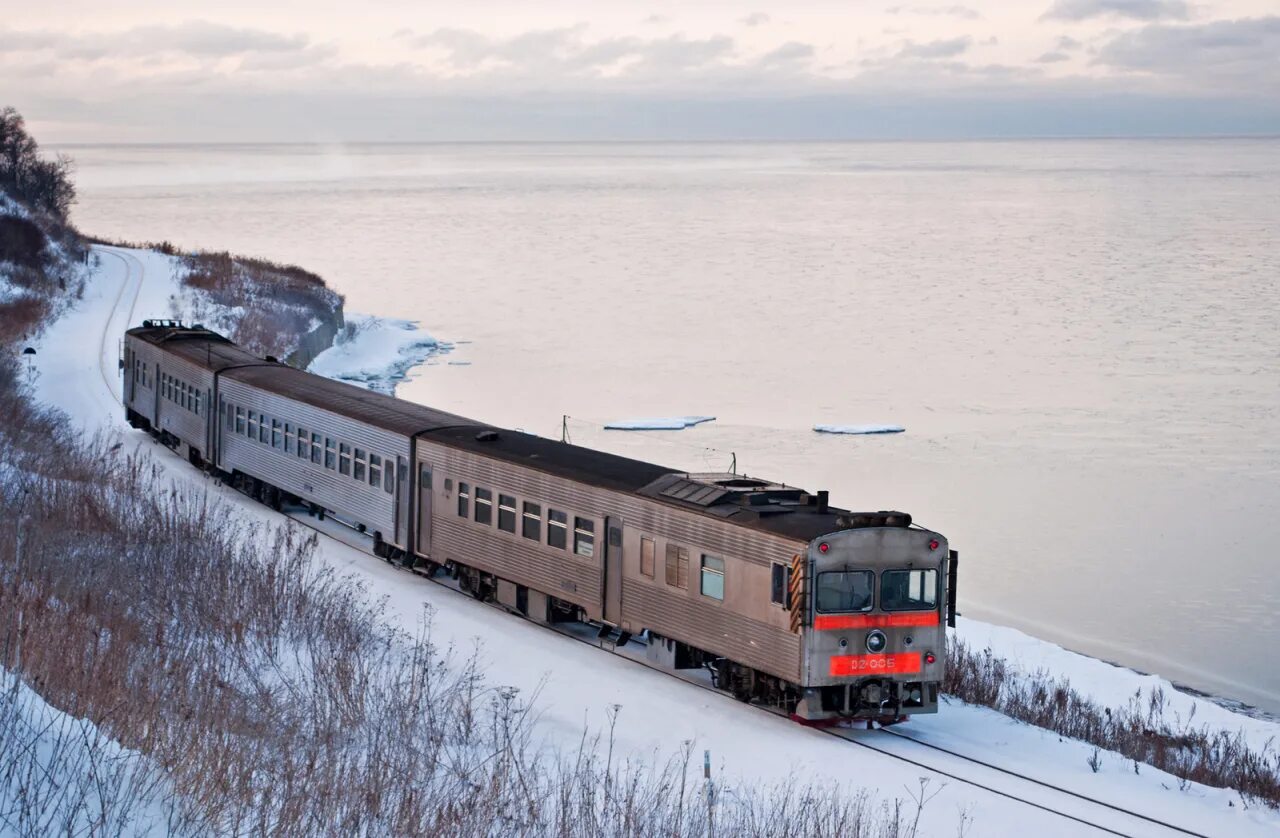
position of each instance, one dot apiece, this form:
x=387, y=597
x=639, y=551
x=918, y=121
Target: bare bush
x=274, y=304
x=41, y=183
x=1141, y=730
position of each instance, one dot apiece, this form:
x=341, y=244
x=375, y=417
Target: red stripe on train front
x=904, y=663
x=859, y=621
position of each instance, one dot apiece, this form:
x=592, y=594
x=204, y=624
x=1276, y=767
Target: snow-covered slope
x=577, y=683
x=60, y=775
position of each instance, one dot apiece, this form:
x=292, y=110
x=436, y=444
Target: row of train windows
x=180, y=393
x=711, y=581
x=477, y=504
x=347, y=460
x=711, y=577
x=141, y=375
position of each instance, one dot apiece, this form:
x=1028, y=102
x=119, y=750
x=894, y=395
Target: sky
x=406, y=70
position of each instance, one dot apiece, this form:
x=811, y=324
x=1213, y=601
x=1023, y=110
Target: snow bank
x=1108, y=684
x=669, y=423
x=859, y=429
x=61, y=774
x=376, y=352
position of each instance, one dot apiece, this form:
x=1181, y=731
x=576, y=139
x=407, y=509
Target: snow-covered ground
x=576, y=683
x=60, y=775
x=663, y=423
x=859, y=429
x=377, y=352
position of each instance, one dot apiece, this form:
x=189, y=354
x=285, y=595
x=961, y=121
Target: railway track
x=1091, y=813
x=1108, y=819
x=106, y=358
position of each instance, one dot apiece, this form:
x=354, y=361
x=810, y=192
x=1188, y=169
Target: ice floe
x=859, y=429
x=376, y=352
x=667, y=423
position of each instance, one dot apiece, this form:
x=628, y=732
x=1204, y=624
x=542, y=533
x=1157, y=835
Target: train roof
x=373, y=408
x=196, y=344
x=212, y=351
x=586, y=465
x=784, y=511
x=781, y=510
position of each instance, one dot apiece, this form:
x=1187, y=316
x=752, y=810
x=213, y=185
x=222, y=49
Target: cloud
x=1078, y=10
x=951, y=11
x=196, y=39
x=789, y=53
x=1066, y=42
x=947, y=48
x=755, y=19
x=546, y=55
x=1053, y=58
x=1221, y=52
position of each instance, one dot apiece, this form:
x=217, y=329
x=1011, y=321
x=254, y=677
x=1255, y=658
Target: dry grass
x=1141, y=730
x=20, y=318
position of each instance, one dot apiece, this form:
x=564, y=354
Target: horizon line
x=668, y=141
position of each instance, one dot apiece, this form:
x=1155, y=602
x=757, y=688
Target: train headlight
x=876, y=641
x=930, y=657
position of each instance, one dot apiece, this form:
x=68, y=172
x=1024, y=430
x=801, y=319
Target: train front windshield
x=844, y=590
x=908, y=590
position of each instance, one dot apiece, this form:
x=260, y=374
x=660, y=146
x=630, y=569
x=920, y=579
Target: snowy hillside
x=60, y=775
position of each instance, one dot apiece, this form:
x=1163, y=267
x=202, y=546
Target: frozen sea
x=1081, y=338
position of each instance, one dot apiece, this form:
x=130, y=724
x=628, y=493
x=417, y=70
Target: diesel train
x=787, y=600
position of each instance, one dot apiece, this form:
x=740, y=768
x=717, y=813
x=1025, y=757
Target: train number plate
x=903, y=663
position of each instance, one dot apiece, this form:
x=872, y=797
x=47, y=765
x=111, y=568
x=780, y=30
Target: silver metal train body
x=826, y=613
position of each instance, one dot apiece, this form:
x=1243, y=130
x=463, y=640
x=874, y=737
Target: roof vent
x=742, y=483
x=487, y=436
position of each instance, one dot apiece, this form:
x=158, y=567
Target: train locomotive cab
x=878, y=609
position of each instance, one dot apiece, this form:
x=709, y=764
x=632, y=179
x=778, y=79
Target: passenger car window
x=464, y=500
x=532, y=521
x=358, y=465
x=906, y=590
x=712, y=577
x=330, y=453
x=484, y=506
x=304, y=444
x=389, y=476
x=317, y=449
x=844, y=590
x=584, y=537
x=557, y=528
x=677, y=566
x=275, y=427
x=506, y=513
x=780, y=585
x=239, y=420
x=375, y=469
x=344, y=459
x=648, y=556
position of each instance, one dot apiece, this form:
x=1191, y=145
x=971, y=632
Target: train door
x=402, y=502
x=613, y=570
x=212, y=419
x=424, y=509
